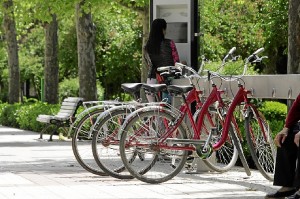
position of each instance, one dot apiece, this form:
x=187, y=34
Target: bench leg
x=48, y=129
x=44, y=130
x=55, y=130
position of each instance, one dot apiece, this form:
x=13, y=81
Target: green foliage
x=68, y=59
x=31, y=59
x=100, y=91
x=68, y=88
x=32, y=56
x=27, y=114
x=8, y=116
x=119, y=49
x=246, y=24
x=134, y=4
x=229, y=23
x=29, y=10
x=275, y=113
x=230, y=68
x=274, y=110
x=24, y=115
x=274, y=22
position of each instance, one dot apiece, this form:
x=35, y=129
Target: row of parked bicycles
x=153, y=142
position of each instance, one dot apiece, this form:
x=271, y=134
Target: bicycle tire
x=159, y=165
x=236, y=141
x=224, y=158
x=82, y=143
x=260, y=142
x=105, y=143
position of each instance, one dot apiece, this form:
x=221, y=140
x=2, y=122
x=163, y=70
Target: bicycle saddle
x=131, y=87
x=154, y=88
x=176, y=89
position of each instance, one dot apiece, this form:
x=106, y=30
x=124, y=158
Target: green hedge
x=9, y=114
x=24, y=116
x=275, y=113
x=27, y=115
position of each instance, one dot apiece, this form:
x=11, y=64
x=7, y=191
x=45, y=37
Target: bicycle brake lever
x=235, y=58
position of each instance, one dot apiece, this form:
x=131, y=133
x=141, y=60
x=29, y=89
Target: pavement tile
x=31, y=168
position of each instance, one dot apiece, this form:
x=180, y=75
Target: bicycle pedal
x=189, y=160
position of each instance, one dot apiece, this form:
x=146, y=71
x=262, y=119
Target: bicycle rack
x=265, y=86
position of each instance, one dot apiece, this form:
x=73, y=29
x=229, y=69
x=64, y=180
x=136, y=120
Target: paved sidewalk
x=33, y=169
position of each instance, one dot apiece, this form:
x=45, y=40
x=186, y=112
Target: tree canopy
x=120, y=31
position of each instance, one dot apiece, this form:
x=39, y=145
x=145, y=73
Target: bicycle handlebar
x=164, y=68
x=232, y=50
x=258, y=51
x=255, y=55
x=229, y=54
x=253, y=58
x=169, y=71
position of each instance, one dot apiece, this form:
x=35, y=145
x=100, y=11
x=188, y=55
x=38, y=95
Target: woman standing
x=159, y=51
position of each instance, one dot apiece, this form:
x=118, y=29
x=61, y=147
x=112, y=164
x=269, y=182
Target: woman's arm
x=294, y=114
x=174, y=52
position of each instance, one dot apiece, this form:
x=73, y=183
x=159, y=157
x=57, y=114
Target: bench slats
x=67, y=110
x=70, y=112
x=69, y=103
x=73, y=99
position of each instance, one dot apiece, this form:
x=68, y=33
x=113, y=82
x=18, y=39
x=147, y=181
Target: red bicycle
x=257, y=131
x=258, y=134
x=161, y=134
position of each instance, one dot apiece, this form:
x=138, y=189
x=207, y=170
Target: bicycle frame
x=214, y=96
x=193, y=96
x=240, y=97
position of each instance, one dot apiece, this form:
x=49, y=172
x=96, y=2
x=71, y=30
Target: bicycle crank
x=204, y=152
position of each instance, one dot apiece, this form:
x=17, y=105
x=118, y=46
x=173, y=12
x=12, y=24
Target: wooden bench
x=63, y=118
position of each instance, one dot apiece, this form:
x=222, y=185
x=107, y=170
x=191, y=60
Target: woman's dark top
x=168, y=57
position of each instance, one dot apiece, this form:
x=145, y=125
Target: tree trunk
x=294, y=38
x=51, y=62
x=86, y=55
x=9, y=26
x=144, y=69
x=293, y=65
x=146, y=25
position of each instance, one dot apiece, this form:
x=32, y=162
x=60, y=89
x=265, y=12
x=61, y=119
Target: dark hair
x=156, y=36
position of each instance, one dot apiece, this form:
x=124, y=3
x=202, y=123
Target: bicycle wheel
x=224, y=158
x=260, y=142
x=145, y=132
x=82, y=142
x=106, y=142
